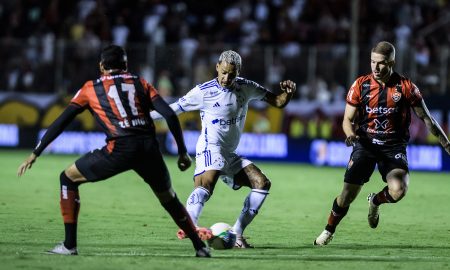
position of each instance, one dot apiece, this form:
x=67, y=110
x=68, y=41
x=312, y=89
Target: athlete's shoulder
x=402, y=78
x=211, y=84
x=244, y=83
x=362, y=79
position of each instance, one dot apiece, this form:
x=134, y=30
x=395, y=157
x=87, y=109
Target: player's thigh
x=251, y=176
x=393, y=163
x=101, y=164
x=153, y=170
x=360, y=166
x=207, y=179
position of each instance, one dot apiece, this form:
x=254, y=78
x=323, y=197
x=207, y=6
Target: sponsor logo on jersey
x=379, y=124
x=380, y=110
x=378, y=142
x=216, y=104
x=228, y=122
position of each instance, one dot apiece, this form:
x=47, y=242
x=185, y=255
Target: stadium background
x=49, y=48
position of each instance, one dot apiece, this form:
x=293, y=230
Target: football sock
x=184, y=222
x=70, y=207
x=336, y=215
x=383, y=197
x=196, y=202
x=252, y=204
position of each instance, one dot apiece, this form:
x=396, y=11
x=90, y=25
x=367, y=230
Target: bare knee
x=74, y=174
x=262, y=183
x=398, y=182
x=398, y=193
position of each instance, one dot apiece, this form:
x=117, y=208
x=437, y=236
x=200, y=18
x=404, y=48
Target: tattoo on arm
x=423, y=113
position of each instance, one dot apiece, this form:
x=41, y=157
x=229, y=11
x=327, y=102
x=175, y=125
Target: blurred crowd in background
x=52, y=46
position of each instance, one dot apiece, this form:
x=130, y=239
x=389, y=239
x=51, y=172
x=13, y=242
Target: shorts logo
x=396, y=96
x=401, y=156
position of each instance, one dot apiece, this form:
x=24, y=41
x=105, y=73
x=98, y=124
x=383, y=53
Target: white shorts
x=228, y=163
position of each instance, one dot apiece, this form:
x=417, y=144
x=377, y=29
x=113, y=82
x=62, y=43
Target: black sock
x=336, y=215
x=71, y=235
x=183, y=220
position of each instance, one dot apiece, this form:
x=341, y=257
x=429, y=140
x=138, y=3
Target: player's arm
x=174, y=106
x=166, y=111
x=52, y=133
x=348, y=126
x=287, y=91
x=423, y=113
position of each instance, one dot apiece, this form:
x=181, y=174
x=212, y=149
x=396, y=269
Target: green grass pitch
x=122, y=225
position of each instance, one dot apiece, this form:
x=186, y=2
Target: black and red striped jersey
x=120, y=103
x=384, y=113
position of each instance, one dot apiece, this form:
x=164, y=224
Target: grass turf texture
x=122, y=225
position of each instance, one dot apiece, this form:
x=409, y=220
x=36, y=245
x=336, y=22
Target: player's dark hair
x=114, y=57
x=385, y=48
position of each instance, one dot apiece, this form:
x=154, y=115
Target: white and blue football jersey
x=222, y=111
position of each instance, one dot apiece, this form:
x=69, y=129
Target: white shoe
x=241, y=242
x=323, y=239
x=374, y=212
x=62, y=250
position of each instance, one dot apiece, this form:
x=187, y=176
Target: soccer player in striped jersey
x=121, y=103
x=223, y=104
x=376, y=123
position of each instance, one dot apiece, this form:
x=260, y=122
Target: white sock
x=195, y=203
x=252, y=204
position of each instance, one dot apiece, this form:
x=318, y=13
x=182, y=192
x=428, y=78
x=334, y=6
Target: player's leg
x=250, y=176
x=359, y=169
x=155, y=173
x=208, y=167
x=93, y=166
x=394, y=170
x=203, y=189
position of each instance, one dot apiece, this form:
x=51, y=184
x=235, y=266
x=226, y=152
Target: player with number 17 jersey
x=120, y=103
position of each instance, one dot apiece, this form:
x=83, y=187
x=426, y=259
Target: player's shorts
x=365, y=156
x=228, y=163
x=140, y=154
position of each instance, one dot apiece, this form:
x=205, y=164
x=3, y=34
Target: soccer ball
x=223, y=236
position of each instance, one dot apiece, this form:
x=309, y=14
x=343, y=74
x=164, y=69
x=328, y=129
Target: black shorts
x=366, y=155
x=140, y=154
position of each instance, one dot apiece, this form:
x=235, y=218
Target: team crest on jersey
x=396, y=96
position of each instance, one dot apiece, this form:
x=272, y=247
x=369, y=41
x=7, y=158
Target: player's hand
x=351, y=140
x=184, y=161
x=288, y=86
x=26, y=164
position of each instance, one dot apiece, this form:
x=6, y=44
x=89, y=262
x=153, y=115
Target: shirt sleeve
x=81, y=98
x=257, y=91
x=152, y=92
x=192, y=101
x=58, y=126
x=412, y=94
x=354, y=94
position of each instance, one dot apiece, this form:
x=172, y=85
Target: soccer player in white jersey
x=223, y=104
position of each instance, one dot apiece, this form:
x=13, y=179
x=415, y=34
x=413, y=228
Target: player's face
x=381, y=66
x=226, y=73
